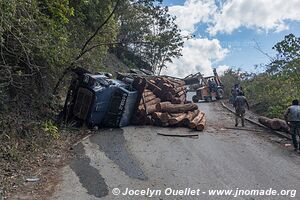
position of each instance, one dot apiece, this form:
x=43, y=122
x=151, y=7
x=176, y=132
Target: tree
x=288, y=56
x=149, y=31
x=33, y=39
x=272, y=91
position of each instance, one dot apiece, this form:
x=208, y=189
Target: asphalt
x=137, y=158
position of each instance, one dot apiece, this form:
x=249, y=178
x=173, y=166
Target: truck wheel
x=208, y=99
x=195, y=99
x=220, y=94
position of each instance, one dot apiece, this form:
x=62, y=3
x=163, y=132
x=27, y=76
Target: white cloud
x=192, y=13
x=268, y=15
x=222, y=69
x=199, y=54
x=224, y=16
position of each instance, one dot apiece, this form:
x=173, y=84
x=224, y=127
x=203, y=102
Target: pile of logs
x=163, y=103
x=169, y=89
x=275, y=124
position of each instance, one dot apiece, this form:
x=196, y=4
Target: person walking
x=292, y=118
x=234, y=92
x=240, y=104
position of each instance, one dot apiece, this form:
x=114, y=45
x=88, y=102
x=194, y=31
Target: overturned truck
x=98, y=100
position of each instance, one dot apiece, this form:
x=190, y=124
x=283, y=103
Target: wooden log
x=147, y=93
x=201, y=124
x=176, y=100
x=271, y=123
x=175, y=114
x=283, y=125
x=177, y=119
x=152, y=81
x=149, y=103
x=181, y=93
x=176, y=108
x=189, y=117
x=163, y=105
x=183, y=98
x=150, y=109
x=180, y=88
x=149, y=98
x=169, y=88
x=174, y=80
x=196, y=120
x=166, y=96
x=152, y=86
x=161, y=117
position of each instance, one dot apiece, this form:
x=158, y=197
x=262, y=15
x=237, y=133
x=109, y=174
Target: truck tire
x=195, y=99
x=220, y=94
x=208, y=99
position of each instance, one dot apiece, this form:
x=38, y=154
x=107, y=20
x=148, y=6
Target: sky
x=228, y=32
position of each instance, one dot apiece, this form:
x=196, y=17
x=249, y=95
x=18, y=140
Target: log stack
x=163, y=103
x=169, y=89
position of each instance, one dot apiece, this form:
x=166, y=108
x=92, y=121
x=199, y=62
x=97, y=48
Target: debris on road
x=179, y=135
x=32, y=179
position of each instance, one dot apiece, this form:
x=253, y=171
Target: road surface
x=137, y=158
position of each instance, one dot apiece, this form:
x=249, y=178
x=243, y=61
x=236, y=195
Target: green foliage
x=271, y=92
x=41, y=38
x=88, y=15
x=33, y=39
x=149, y=31
x=229, y=79
x=51, y=129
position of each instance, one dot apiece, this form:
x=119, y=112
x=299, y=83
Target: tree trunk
x=182, y=92
x=147, y=93
x=162, y=117
x=189, y=117
x=149, y=103
x=177, y=119
x=201, y=125
x=176, y=108
x=149, y=98
x=196, y=120
x=150, y=109
x=275, y=124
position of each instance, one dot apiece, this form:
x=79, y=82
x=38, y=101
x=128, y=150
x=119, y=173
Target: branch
x=83, y=49
x=257, y=47
x=98, y=29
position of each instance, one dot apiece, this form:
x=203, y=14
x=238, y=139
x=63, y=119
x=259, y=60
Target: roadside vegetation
x=273, y=90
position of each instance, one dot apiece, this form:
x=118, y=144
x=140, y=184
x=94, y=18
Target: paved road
x=138, y=158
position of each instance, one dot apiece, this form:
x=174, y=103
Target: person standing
x=292, y=118
x=234, y=92
x=240, y=104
